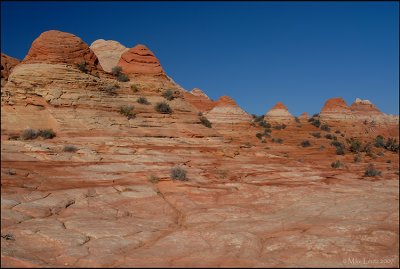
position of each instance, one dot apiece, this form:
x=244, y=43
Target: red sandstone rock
x=335, y=104
x=140, y=60
x=279, y=113
x=304, y=116
x=56, y=47
x=7, y=64
x=364, y=106
x=199, y=99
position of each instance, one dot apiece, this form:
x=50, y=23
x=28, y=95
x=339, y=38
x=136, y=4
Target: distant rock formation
x=108, y=52
x=304, y=116
x=140, y=60
x=7, y=64
x=227, y=111
x=199, y=100
x=364, y=107
x=279, y=113
x=59, y=47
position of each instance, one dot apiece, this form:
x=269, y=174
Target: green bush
x=82, y=66
x=325, y=127
x=28, y=134
x=127, y=110
x=122, y=77
x=264, y=124
x=47, y=134
x=305, y=143
x=355, y=145
x=111, y=89
x=392, y=145
x=371, y=171
x=178, y=173
x=70, y=148
x=205, y=121
x=116, y=70
x=143, y=100
x=340, y=151
x=329, y=136
x=317, y=135
x=337, y=164
x=259, y=135
x=134, y=88
x=163, y=108
x=169, y=95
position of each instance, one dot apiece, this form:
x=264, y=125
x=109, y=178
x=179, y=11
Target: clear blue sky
x=259, y=53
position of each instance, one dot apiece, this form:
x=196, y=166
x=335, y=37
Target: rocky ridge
x=111, y=201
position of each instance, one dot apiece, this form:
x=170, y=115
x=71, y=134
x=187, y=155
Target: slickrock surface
x=108, y=52
x=59, y=47
x=279, y=113
x=7, y=64
x=246, y=203
x=140, y=60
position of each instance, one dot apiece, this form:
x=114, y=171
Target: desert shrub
x=264, y=124
x=163, y=108
x=169, y=95
x=316, y=123
x=392, y=145
x=337, y=132
x=82, y=66
x=340, y=151
x=280, y=126
x=317, y=135
x=70, y=148
x=8, y=236
x=315, y=115
x=371, y=171
x=321, y=147
x=267, y=132
x=47, y=133
x=381, y=153
x=178, y=173
x=258, y=118
x=296, y=119
x=329, y=136
x=355, y=145
x=379, y=141
x=325, y=127
x=122, y=77
x=305, y=143
x=205, y=121
x=337, y=164
x=29, y=134
x=110, y=89
x=116, y=70
x=154, y=179
x=126, y=110
x=134, y=88
x=143, y=100
x=357, y=158
x=337, y=144
x=259, y=135
x=277, y=140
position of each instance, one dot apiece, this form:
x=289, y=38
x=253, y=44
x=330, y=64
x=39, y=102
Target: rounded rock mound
x=7, y=64
x=140, y=60
x=108, y=52
x=55, y=47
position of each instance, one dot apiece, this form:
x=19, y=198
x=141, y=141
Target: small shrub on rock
x=143, y=101
x=317, y=135
x=28, y=134
x=178, y=173
x=163, y=108
x=357, y=158
x=325, y=127
x=126, y=110
x=122, y=77
x=47, y=134
x=305, y=143
x=111, y=89
x=169, y=95
x=205, y=121
x=337, y=164
x=371, y=171
x=82, y=66
x=70, y=148
x=134, y=88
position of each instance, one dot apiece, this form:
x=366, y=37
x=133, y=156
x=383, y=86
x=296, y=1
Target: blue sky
x=259, y=53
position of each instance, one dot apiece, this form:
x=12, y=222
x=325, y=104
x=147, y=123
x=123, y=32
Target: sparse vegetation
x=169, y=95
x=178, y=173
x=280, y=126
x=143, y=101
x=264, y=124
x=127, y=110
x=325, y=127
x=47, y=133
x=154, y=179
x=371, y=171
x=357, y=158
x=82, y=66
x=355, y=145
x=205, y=121
x=296, y=119
x=70, y=148
x=305, y=143
x=117, y=72
x=122, y=77
x=28, y=134
x=134, y=88
x=277, y=140
x=111, y=89
x=337, y=132
x=337, y=164
x=163, y=108
x=317, y=134
x=8, y=236
x=329, y=136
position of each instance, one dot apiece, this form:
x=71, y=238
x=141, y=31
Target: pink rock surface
x=7, y=64
x=108, y=52
x=279, y=113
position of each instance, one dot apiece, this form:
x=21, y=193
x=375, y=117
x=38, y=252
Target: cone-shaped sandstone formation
x=59, y=47
x=199, y=99
x=227, y=111
x=108, y=52
x=279, y=113
x=364, y=107
x=140, y=60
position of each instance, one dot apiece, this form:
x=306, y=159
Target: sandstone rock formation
x=279, y=113
x=55, y=47
x=335, y=108
x=304, y=116
x=108, y=52
x=140, y=60
x=112, y=202
x=7, y=64
x=199, y=100
x=364, y=107
x=227, y=111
